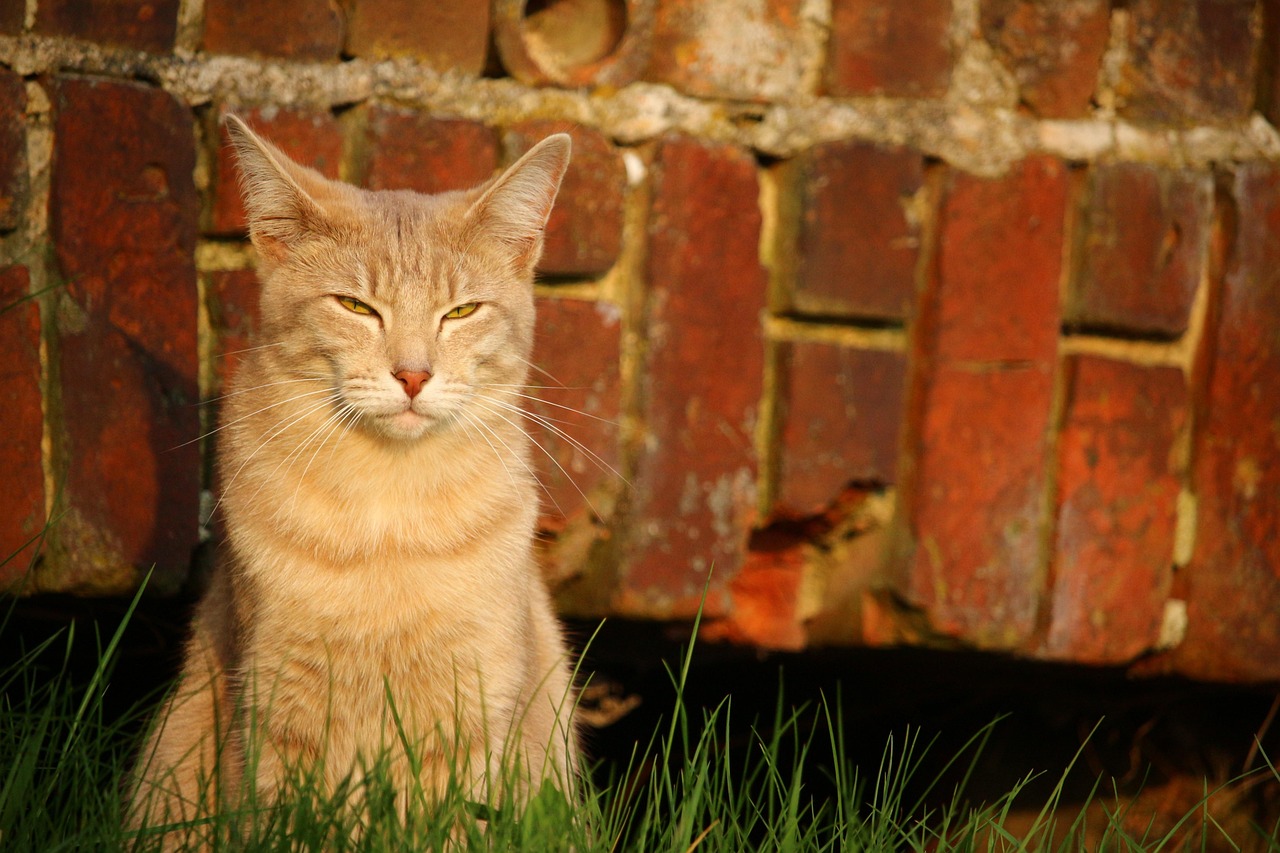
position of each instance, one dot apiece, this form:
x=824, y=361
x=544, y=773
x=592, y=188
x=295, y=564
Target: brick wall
x=939, y=323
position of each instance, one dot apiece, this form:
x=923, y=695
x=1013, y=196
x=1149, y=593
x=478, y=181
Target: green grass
x=64, y=761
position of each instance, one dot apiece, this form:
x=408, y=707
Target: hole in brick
x=563, y=35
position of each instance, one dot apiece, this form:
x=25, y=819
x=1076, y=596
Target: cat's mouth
x=408, y=424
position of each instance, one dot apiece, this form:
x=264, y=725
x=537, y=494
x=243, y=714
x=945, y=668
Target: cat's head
x=413, y=308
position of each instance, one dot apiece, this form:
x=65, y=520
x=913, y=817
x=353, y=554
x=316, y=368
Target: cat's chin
x=407, y=425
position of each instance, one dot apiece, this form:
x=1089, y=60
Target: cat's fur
x=380, y=543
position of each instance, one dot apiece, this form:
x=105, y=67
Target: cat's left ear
x=514, y=210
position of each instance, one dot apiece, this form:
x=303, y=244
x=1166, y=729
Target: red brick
x=695, y=487
x=1118, y=487
x=573, y=43
x=295, y=29
x=444, y=36
x=1268, y=96
x=974, y=495
x=144, y=24
x=312, y=138
x=1145, y=232
x=576, y=381
x=1232, y=583
x=13, y=16
x=584, y=234
x=841, y=412
x=764, y=595
x=22, y=425
x=13, y=149
x=233, y=313
x=885, y=47
x=858, y=246
x=127, y=331
x=1054, y=50
x=1190, y=61
x=726, y=49
x=414, y=151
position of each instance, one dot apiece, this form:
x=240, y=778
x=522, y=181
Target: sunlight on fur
x=377, y=602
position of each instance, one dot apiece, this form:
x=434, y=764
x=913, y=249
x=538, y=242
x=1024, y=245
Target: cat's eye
x=462, y=310
x=355, y=306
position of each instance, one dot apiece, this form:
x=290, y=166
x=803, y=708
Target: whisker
x=250, y=349
x=466, y=424
x=533, y=474
x=221, y=427
x=550, y=425
x=559, y=406
x=527, y=385
x=540, y=370
x=313, y=408
x=316, y=378
x=334, y=422
x=538, y=444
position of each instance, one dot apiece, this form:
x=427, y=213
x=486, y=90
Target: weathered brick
x=414, y=151
x=576, y=379
x=840, y=415
x=127, y=330
x=1144, y=235
x=986, y=353
x=859, y=235
x=727, y=49
x=573, y=44
x=312, y=138
x=444, y=36
x=584, y=234
x=1190, y=61
x=13, y=16
x=1232, y=584
x=764, y=598
x=13, y=149
x=232, y=298
x=295, y=29
x=1118, y=487
x=1054, y=50
x=22, y=425
x=695, y=487
x=883, y=47
x=144, y=24
x=1268, y=95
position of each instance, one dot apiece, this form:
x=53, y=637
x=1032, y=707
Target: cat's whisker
x=306, y=412
x=285, y=401
x=296, y=453
x=533, y=366
x=467, y=422
x=559, y=406
x=518, y=457
x=250, y=349
x=547, y=423
x=229, y=395
x=538, y=444
x=527, y=385
x=331, y=425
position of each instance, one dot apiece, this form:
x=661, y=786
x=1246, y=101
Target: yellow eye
x=462, y=310
x=355, y=305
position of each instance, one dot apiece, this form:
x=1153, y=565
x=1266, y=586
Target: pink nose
x=412, y=380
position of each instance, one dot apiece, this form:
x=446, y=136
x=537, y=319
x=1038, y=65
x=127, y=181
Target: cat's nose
x=412, y=380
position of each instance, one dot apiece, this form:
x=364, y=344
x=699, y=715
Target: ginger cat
x=379, y=503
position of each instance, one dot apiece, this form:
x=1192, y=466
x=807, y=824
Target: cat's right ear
x=284, y=201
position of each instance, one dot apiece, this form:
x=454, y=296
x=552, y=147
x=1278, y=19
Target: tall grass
x=64, y=761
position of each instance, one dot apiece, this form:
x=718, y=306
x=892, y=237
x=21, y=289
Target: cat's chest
x=348, y=665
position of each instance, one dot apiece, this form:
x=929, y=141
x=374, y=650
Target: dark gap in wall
x=871, y=324
x=1109, y=331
